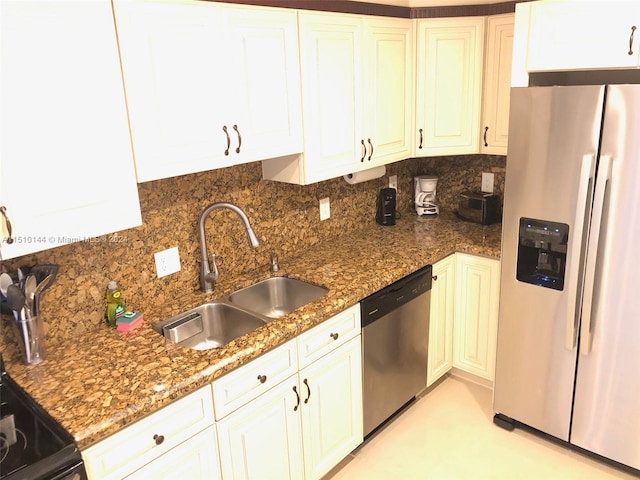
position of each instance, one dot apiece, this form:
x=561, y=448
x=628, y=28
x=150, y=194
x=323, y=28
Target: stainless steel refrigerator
x=568, y=359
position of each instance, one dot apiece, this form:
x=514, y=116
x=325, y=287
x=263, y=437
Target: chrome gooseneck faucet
x=207, y=276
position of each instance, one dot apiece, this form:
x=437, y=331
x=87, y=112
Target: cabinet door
x=497, y=84
x=263, y=439
x=331, y=390
x=449, y=82
x=136, y=445
x=388, y=77
x=66, y=169
x=195, y=459
x=440, y=357
x=583, y=35
x=331, y=65
x=264, y=66
x=476, y=315
x=174, y=62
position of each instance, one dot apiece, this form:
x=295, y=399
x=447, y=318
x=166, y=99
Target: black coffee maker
x=386, y=211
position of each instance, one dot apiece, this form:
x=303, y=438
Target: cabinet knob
x=3, y=211
x=158, y=438
x=334, y=335
x=633, y=31
x=435, y=277
x=262, y=378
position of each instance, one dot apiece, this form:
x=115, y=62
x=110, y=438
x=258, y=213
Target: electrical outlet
x=487, y=182
x=167, y=262
x=393, y=181
x=325, y=208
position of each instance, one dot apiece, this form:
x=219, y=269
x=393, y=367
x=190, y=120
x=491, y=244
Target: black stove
x=33, y=446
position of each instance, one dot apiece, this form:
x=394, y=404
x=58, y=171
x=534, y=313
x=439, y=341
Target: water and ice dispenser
x=542, y=252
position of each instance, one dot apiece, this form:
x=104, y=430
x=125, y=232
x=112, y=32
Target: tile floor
x=448, y=434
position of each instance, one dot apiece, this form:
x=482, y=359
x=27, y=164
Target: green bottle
x=115, y=304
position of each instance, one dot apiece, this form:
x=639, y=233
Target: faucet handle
x=214, y=268
x=274, y=262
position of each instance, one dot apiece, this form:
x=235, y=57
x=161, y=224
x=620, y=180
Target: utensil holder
x=30, y=336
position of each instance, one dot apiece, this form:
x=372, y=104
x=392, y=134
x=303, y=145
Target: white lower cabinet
x=263, y=439
x=195, y=459
x=464, y=316
x=331, y=403
x=440, y=356
x=475, y=326
x=305, y=425
x=180, y=433
x=293, y=413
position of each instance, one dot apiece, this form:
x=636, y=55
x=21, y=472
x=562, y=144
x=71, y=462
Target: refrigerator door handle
x=587, y=171
x=604, y=175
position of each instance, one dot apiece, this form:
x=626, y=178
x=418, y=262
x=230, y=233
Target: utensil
x=30, y=284
x=41, y=287
x=15, y=298
x=16, y=301
x=42, y=271
x=5, y=281
x=23, y=272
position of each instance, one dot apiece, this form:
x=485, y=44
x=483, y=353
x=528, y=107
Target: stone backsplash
x=284, y=217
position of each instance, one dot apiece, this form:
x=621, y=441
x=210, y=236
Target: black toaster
x=479, y=207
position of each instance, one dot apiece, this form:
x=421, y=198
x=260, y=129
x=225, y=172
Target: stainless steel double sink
x=217, y=323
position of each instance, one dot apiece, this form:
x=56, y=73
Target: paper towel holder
x=365, y=175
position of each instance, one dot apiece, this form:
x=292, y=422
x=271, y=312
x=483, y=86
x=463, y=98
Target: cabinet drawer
x=247, y=382
x=329, y=335
x=136, y=445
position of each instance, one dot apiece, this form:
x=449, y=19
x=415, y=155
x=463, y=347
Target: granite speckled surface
x=284, y=217
x=96, y=383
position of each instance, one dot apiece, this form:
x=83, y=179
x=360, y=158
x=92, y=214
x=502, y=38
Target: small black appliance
x=386, y=212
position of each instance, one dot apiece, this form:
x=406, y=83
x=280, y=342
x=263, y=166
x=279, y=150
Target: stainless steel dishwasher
x=395, y=337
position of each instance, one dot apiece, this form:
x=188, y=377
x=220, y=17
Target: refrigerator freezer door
x=607, y=408
x=553, y=143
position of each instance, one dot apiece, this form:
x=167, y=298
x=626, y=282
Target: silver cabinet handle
x=633, y=31
x=226, y=132
x=5, y=217
x=235, y=127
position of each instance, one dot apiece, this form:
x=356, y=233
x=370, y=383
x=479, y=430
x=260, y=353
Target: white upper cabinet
x=449, y=85
x=497, y=84
x=579, y=35
x=66, y=168
x=208, y=85
x=357, y=96
x=388, y=82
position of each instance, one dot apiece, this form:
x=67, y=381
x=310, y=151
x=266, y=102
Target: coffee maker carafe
x=425, y=194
